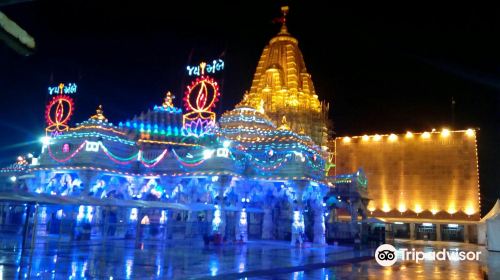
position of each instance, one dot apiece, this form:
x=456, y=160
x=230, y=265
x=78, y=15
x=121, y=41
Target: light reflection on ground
x=120, y=259
x=487, y=268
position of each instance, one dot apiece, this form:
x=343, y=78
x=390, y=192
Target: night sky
x=382, y=69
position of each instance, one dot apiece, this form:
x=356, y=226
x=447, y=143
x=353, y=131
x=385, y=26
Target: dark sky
x=382, y=69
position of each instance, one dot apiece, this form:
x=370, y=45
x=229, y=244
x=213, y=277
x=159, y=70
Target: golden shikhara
x=283, y=87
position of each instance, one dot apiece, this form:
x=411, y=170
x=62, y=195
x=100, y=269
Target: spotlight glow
x=45, y=140
x=445, y=132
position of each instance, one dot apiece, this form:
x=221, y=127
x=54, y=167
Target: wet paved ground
x=119, y=259
x=488, y=266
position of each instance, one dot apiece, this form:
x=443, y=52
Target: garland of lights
x=283, y=146
x=278, y=163
x=187, y=162
x=168, y=143
x=174, y=174
x=114, y=158
x=117, y=159
x=263, y=166
x=97, y=127
x=151, y=163
x=94, y=134
x=270, y=139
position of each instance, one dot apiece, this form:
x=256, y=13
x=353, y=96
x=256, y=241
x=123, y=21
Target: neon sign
x=62, y=88
x=58, y=112
x=60, y=108
x=200, y=97
x=203, y=67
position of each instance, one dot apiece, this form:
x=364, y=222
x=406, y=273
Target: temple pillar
x=466, y=233
x=267, y=224
x=353, y=209
x=412, y=231
x=219, y=219
x=297, y=215
x=191, y=224
x=438, y=232
x=319, y=224
x=333, y=216
x=242, y=226
x=297, y=227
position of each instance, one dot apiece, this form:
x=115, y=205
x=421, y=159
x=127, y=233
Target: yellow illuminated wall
x=416, y=175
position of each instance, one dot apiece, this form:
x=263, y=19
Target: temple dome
x=246, y=117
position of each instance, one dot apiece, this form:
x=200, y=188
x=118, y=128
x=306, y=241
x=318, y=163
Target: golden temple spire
x=168, y=103
x=284, y=125
x=99, y=116
x=284, y=29
x=283, y=86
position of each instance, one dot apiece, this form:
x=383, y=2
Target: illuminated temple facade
x=255, y=171
x=266, y=169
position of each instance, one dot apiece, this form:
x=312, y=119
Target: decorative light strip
x=284, y=146
x=94, y=134
x=186, y=162
x=270, y=139
x=240, y=118
x=174, y=174
x=255, y=162
x=97, y=127
x=154, y=162
x=408, y=135
x=114, y=158
x=172, y=110
x=118, y=159
x=168, y=143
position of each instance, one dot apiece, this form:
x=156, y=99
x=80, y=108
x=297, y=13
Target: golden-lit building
x=425, y=184
x=282, y=87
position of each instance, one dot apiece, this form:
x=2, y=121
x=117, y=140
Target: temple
x=267, y=169
x=258, y=171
